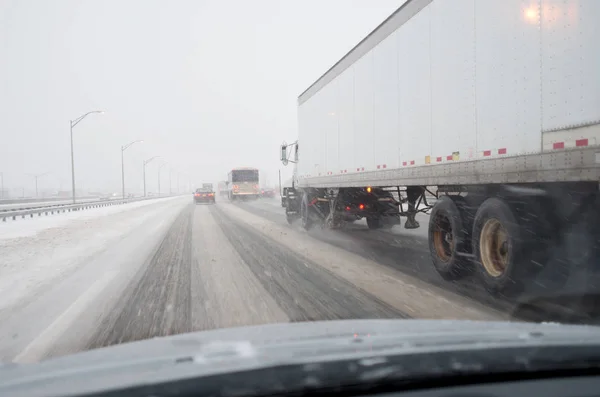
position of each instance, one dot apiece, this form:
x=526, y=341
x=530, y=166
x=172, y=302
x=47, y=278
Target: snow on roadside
x=34, y=256
x=31, y=226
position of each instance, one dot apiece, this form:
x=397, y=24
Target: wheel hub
x=494, y=247
x=443, y=238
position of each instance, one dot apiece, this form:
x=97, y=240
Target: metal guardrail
x=51, y=210
x=31, y=206
x=33, y=200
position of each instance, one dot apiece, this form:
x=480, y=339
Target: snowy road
x=166, y=267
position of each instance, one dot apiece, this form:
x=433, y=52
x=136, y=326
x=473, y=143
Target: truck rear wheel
x=307, y=221
x=377, y=222
x=447, y=239
x=499, y=248
x=374, y=222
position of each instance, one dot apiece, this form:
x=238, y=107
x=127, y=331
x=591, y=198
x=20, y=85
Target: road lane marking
x=36, y=349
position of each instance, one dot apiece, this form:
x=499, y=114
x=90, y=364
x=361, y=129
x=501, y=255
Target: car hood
x=244, y=348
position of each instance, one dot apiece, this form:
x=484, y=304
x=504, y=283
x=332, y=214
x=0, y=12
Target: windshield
x=244, y=176
x=175, y=167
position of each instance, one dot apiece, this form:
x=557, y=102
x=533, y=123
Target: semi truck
x=490, y=107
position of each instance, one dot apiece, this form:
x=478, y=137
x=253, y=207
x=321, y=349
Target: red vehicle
x=203, y=195
x=266, y=192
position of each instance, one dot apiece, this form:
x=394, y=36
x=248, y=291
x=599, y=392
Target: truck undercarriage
x=382, y=207
x=515, y=237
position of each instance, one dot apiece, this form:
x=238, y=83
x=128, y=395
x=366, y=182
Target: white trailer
x=491, y=106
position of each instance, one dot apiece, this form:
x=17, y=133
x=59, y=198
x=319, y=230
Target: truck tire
x=447, y=238
x=387, y=225
x=290, y=218
x=374, y=222
x=499, y=248
x=307, y=222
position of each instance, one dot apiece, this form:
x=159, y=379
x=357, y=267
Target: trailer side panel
x=457, y=81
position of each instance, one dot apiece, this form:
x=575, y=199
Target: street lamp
x=36, y=176
x=123, y=148
x=146, y=163
x=159, y=167
x=73, y=124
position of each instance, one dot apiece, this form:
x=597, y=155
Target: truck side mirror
x=283, y=156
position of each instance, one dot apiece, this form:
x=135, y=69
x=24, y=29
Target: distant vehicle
x=267, y=192
x=204, y=195
x=243, y=183
x=208, y=186
x=222, y=189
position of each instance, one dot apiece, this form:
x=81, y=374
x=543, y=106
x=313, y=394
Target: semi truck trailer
x=490, y=107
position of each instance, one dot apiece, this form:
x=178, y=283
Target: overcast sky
x=207, y=84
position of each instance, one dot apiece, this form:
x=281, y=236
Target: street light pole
x=72, y=164
x=73, y=123
x=36, y=176
x=123, y=148
x=159, y=167
x=145, y=163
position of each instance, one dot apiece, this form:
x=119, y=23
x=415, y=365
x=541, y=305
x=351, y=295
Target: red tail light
x=347, y=208
x=362, y=206
x=197, y=194
x=211, y=194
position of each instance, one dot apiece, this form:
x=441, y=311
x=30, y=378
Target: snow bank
x=39, y=252
x=31, y=226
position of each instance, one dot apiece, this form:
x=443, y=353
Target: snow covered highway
x=166, y=266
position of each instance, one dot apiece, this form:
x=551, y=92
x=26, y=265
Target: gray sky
x=208, y=84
